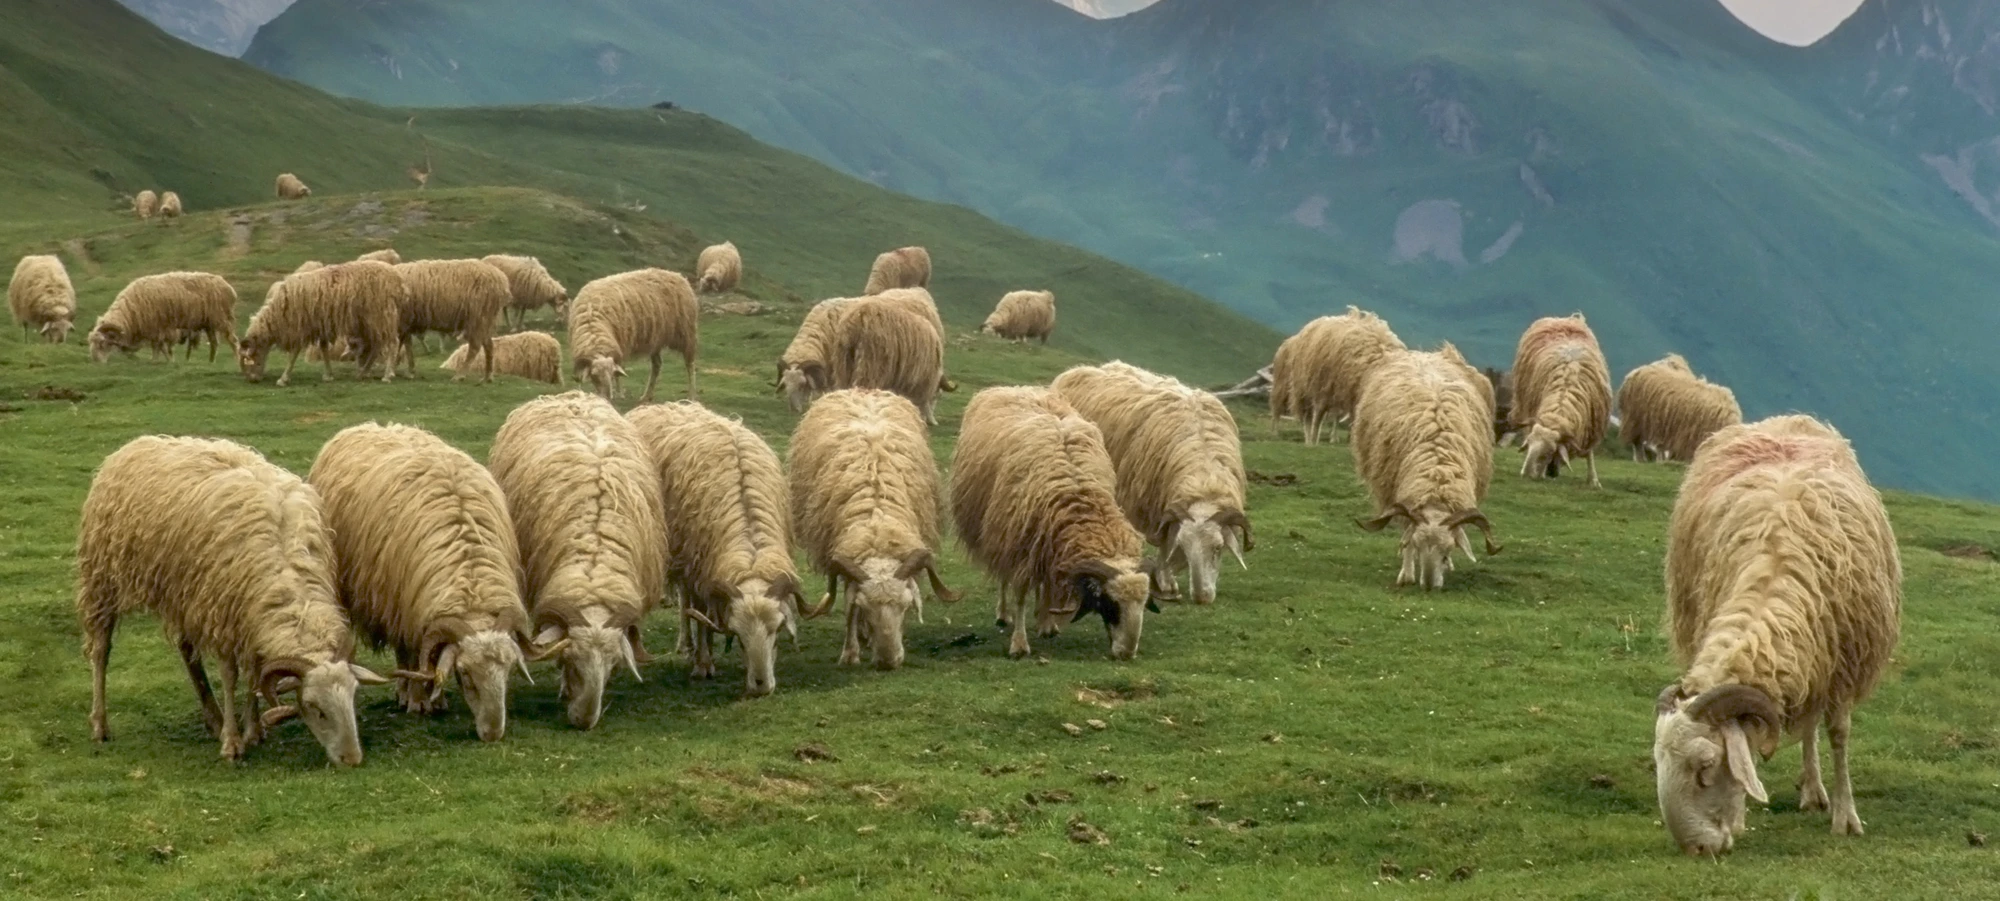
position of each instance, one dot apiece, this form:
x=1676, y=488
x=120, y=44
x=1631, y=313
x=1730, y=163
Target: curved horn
x=1478, y=521
x=924, y=561
x=638, y=643
x=694, y=613
x=789, y=586
x=274, y=670
x=1235, y=519
x=1670, y=698
x=1736, y=701
x=1095, y=568
x=631, y=655
x=1388, y=516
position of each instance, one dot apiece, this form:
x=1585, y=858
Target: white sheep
x=384, y=255
x=170, y=205
x=160, y=310
x=42, y=299
x=530, y=355
x=1423, y=447
x=886, y=343
x=146, y=204
x=1665, y=410
x=461, y=298
x=1562, y=396
x=633, y=314
x=530, y=288
x=1023, y=315
x=290, y=188
x=327, y=308
x=904, y=267
x=718, y=268
x=1335, y=357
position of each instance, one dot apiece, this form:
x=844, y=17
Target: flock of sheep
x=1085, y=497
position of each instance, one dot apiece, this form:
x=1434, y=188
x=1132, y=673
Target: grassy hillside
x=1315, y=731
x=1689, y=186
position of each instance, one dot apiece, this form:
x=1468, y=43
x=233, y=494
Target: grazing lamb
x=327, y=308
x=1423, y=448
x=1666, y=411
x=730, y=557
x=452, y=297
x=426, y=564
x=231, y=554
x=1179, y=466
x=530, y=355
x=290, y=188
x=1337, y=364
x=42, y=298
x=146, y=204
x=1784, y=600
x=1022, y=315
x=1562, y=396
x=585, y=499
x=883, y=343
x=1032, y=495
x=170, y=205
x=159, y=310
x=530, y=287
x=385, y=255
x=719, y=268
x=866, y=506
x=633, y=314
x=904, y=267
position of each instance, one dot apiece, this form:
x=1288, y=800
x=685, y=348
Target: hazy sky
x=1795, y=22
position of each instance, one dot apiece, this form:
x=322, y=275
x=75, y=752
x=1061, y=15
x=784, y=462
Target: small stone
x=1099, y=725
x=1976, y=839
x=1276, y=738
x=814, y=752
x=864, y=830
x=1083, y=833
x=1072, y=728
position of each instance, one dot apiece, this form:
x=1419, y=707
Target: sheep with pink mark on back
x=1562, y=396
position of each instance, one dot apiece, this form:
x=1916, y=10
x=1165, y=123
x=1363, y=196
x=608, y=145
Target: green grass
x=1502, y=725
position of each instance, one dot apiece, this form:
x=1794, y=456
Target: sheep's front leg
x=97, y=647
x=326, y=356
x=1590, y=462
x=1846, y=821
x=285, y=378
x=850, y=651
x=232, y=744
x=210, y=716
x=1018, y=615
x=1812, y=789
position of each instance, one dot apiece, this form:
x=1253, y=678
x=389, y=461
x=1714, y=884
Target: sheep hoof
x=1018, y=650
x=99, y=731
x=1847, y=822
x=1812, y=797
x=232, y=748
x=283, y=382
x=850, y=657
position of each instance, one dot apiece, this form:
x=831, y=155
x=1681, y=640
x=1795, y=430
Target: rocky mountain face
x=1107, y=9
x=224, y=26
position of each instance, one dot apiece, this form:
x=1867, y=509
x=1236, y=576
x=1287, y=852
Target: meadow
x=1315, y=732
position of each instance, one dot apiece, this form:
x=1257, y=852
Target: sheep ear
x=1742, y=764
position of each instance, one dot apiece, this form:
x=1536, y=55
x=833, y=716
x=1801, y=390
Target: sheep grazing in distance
x=1423, y=447
x=1023, y=315
x=866, y=506
x=160, y=310
x=1562, y=396
x=729, y=551
x=585, y=499
x=1287, y=380
x=1666, y=411
x=326, y=308
x=427, y=564
x=290, y=188
x=385, y=255
x=536, y=356
x=146, y=204
x=170, y=205
x=883, y=343
x=42, y=299
x=1503, y=401
x=1321, y=376
x=633, y=314
x=805, y=369
x=1032, y=495
x=1179, y=465
x=1784, y=601
x=231, y=553
x=453, y=297
x=309, y=266
x=904, y=267
x=530, y=287
x=719, y=268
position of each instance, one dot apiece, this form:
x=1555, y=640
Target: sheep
x=146, y=203
x=1287, y=373
x=309, y=266
x=1562, y=396
x=879, y=342
x=805, y=369
x=325, y=308
x=585, y=499
x=1032, y=496
x=866, y=506
x=730, y=547
x=1345, y=349
x=530, y=355
x=290, y=188
x=385, y=255
x=719, y=268
x=1503, y=401
x=170, y=205
x=1784, y=603
x=1666, y=411
x=530, y=287
x=1179, y=465
x=232, y=554
x=1423, y=448
x=454, y=297
x=42, y=298
x=161, y=309
x=1022, y=315
x=632, y=314
x=426, y=563
x=904, y=267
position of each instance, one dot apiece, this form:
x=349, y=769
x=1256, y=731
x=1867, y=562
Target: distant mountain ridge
x=224, y=26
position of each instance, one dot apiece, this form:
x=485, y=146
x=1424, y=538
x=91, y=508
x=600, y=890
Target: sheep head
x=325, y=701
x=57, y=331
x=801, y=382
x=1704, y=765
x=758, y=611
x=589, y=652
x=1544, y=454
x=250, y=356
x=106, y=338
x=1195, y=537
x=483, y=662
x=1430, y=535
x=603, y=374
x=881, y=593
x=1119, y=591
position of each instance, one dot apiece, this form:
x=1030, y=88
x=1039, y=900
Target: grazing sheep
x=1032, y=495
x=531, y=355
x=904, y=267
x=427, y=564
x=1666, y=411
x=1562, y=396
x=719, y=268
x=42, y=298
x=633, y=314
x=730, y=557
x=1423, y=448
x=1287, y=373
x=805, y=369
x=1179, y=466
x=170, y=205
x=334, y=306
x=159, y=310
x=866, y=506
x=585, y=499
x=290, y=188
x=453, y=297
x=309, y=266
x=530, y=287
x=1503, y=401
x=231, y=554
x=1022, y=315
x=146, y=203
x=1345, y=349
x=385, y=255
x=882, y=343
x=1784, y=600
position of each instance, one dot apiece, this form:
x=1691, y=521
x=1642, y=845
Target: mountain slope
x=224, y=26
